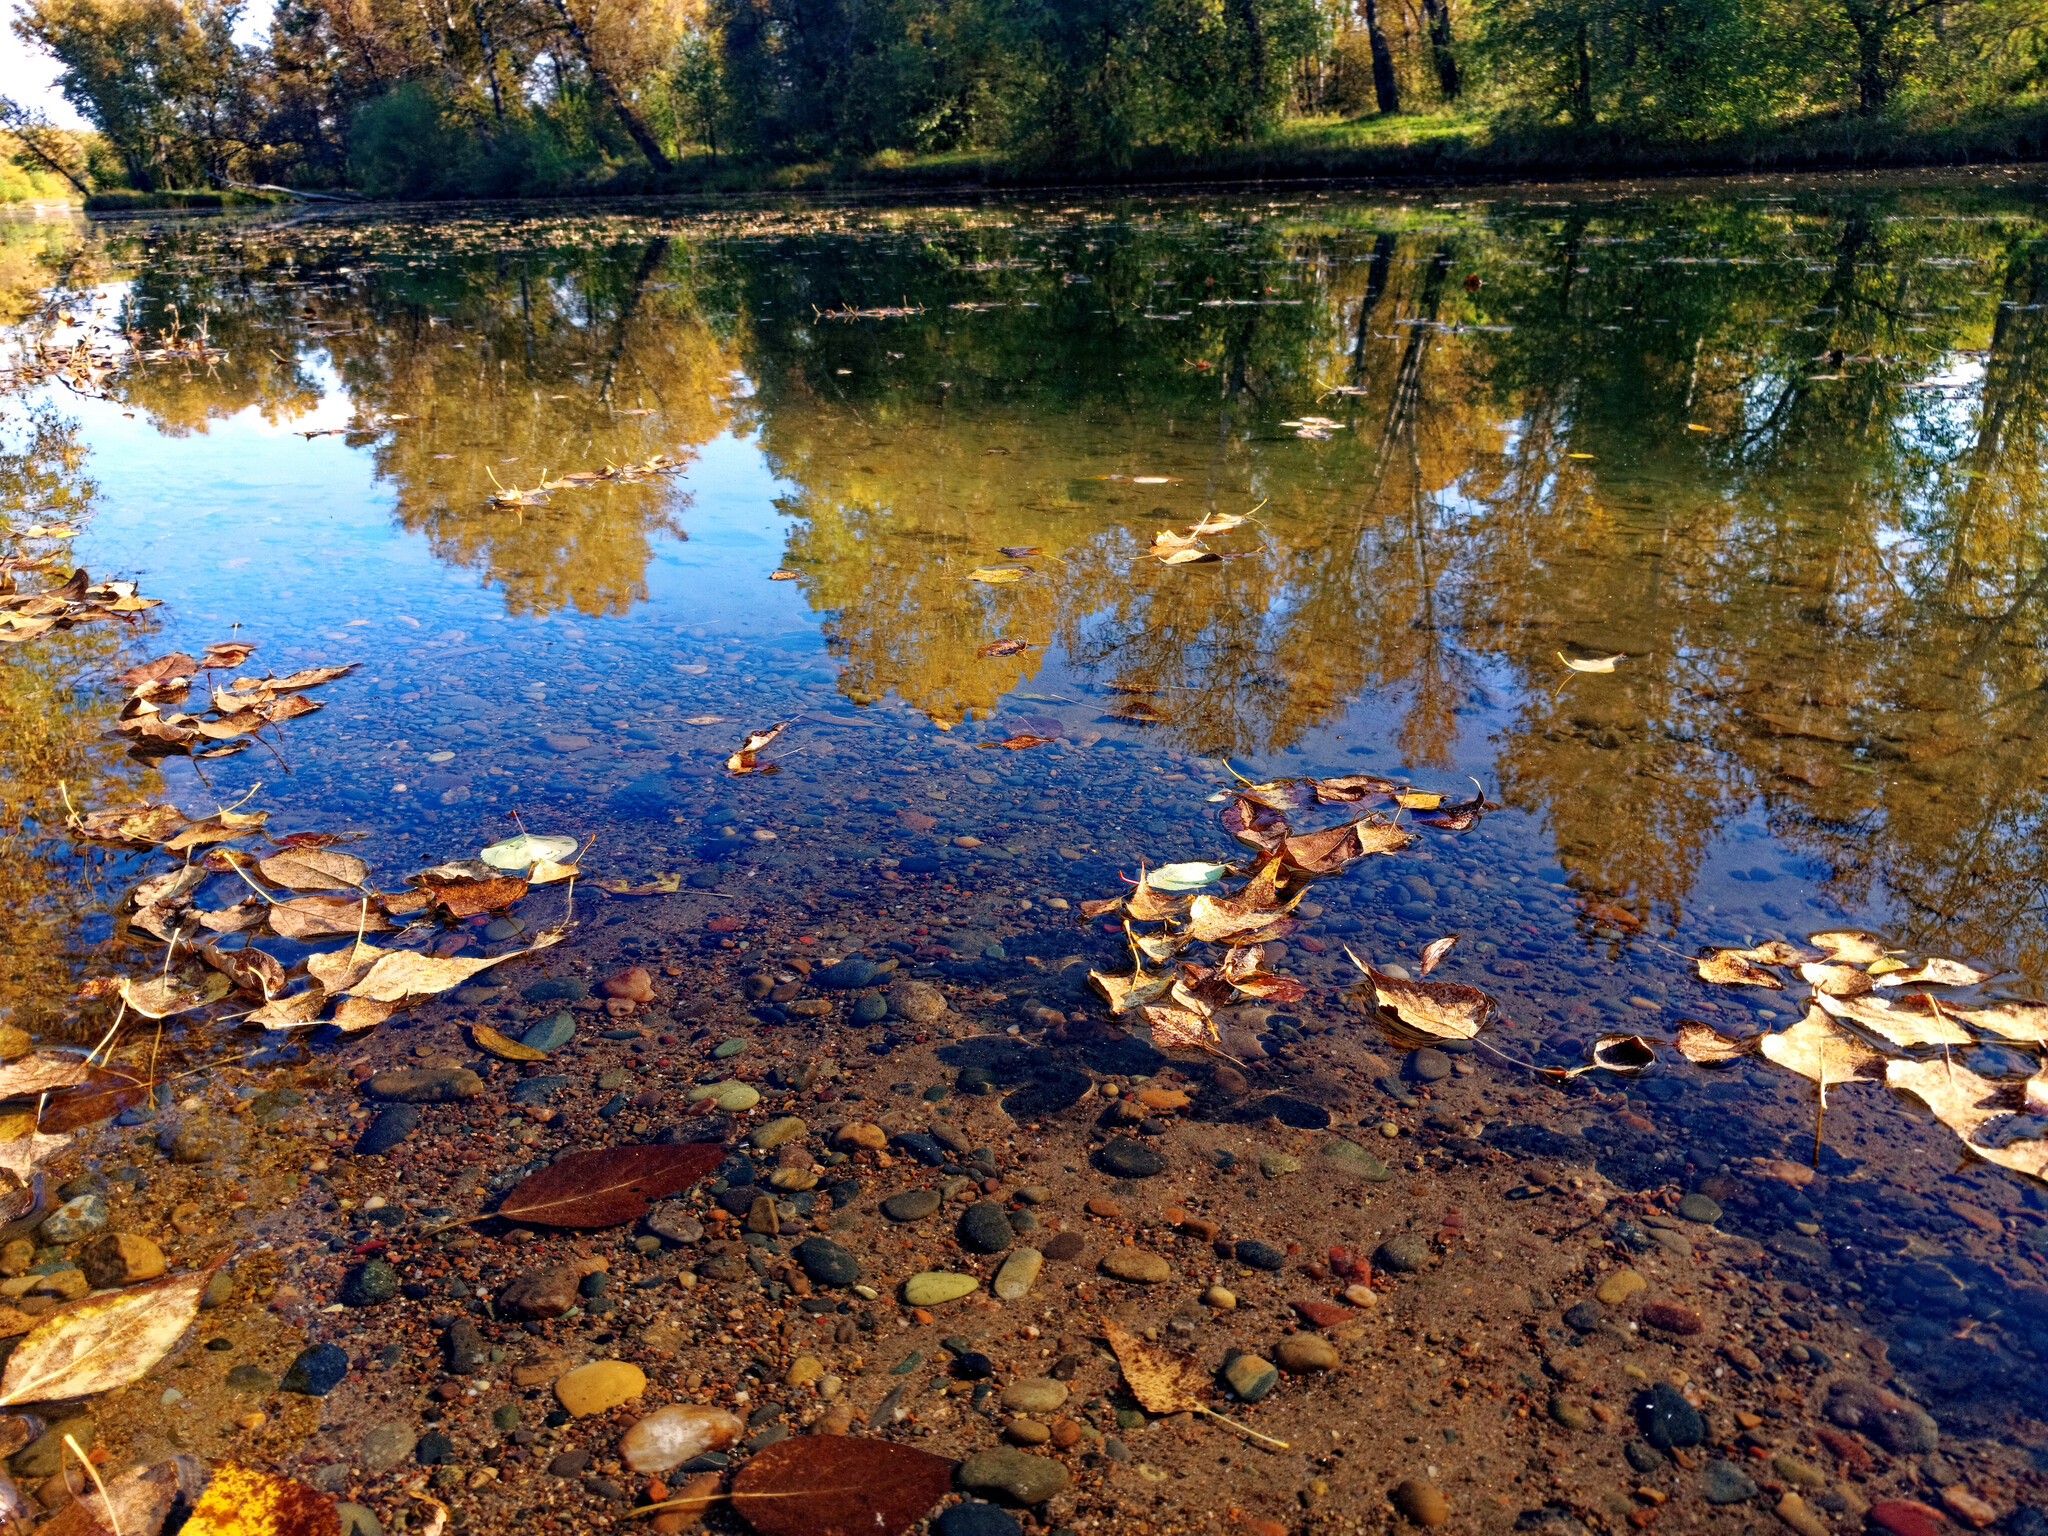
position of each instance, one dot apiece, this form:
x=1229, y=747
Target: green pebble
x=730, y=1096
x=728, y=1048
x=907, y=1364
x=936, y=1286
x=1129, y=1418
x=505, y=1417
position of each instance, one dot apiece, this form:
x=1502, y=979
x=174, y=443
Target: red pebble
x=1906, y=1517
x=723, y=925
x=1670, y=1317
x=1322, y=1314
x=1847, y=1448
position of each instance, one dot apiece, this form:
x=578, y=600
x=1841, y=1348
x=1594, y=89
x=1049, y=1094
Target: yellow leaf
x=104, y=1342
x=240, y=1501
x=503, y=1046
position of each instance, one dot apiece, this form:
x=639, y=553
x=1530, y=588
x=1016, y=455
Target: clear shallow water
x=1779, y=447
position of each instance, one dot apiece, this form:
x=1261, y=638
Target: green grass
x=127, y=200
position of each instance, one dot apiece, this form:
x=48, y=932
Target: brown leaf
x=1705, y=1046
x=105, y=1341
x=1180, y=1029
x=1280, y=794
x=610, y=1186
x=161, y=996
x=1625, y=1054
x=1154, y=906
x=2009, y=1019
x=294, y=1012
x=227, y=653
x=137, y=1500
x=339, y=969
x=1335, y=849
x=146, y=824
x=254, y=971
x=321, y=917
x=1003, y=648
x=1124, y=993
x=243, y=915
x=158, y=668
x=473, y=896
x=1608, y=912
x=1434, y=952
x=1735, y=968
x=1097, y=908
x=502, y=1046
x=1162, y=1380
x=311, y=677
x=241, y=1501
x=354, y=1013
x=1346, y=787
x=1990, y=1117
x=1911, y=1022
x=1254, y=824
x=40, y=1074
x=401, y=976
x=1851, y=946
x=1019, y=742
x=1439, y=1010
x=1834, y=979
x=222, y=828
x=104, y=1094
x=1231, y=919
x=1821, y=1051
x=314, y=869
x=828, y=1485
x=1936, y=972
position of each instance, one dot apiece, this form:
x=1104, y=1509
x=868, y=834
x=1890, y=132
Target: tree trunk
x=1439, y=14
x=1255, y=66
x=483, y=42
x=1386, y=91
x=1582, y=87
x=1873, y=87
x=649, y=146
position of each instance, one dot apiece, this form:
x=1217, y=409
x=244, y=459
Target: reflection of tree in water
x=53, y=714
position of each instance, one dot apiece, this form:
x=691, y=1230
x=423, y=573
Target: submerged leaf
x=502, y=1046
x=241, y=1501
x=832, y=1485
x=608, y=1187
x=526, y=850
x=1592, y=663
x=105, y=1341
x=39, y=1074
x=1162, y=1380
x=1439, y=1010
x=159, y=997
x=1434, y=952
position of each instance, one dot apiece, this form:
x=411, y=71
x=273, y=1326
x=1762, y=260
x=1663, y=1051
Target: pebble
x=912, y=1205
x=74, y=1220
x=1583, y=1317
x=632, y=984
x=1219, y=1298
x=1569, y=1414
x=1794, y=1470
x=774, y=1133
x=369, y=1284
x=976, y=1519
x=1026, y=1478
x=732, y=1097
x=316, y=1371
x=860, y=1136
x=250, y=1378
x=1645, y=1457
x=826, y=1262
x=541, y=1293
x=1968, y=1508
x=1404, y=1253
x=673, y=1223
x=1794, y=1512
x=598, y=1386
x=1034, y=1394
x=355, y=1520
x=985, y=1228
x=1906, y=1517
x=1669, y=1420
x=390, y=1127
x=1429, y=1065
x=1276, y=1165
x=1304, y=1352
x=1619, y=1286
x=918, y=1002
x=551, y=1033
x=1256, y=1255
x=1019, y=1272
x=1670, y=1317
x=1351, y=1163
x=1900, y=1426
x=463, y=1344
x=1251, y=1377
x=1130, y=1159
x=387, y=1445
x=854, y=971
x=1421, y=1502
x=426, y=1085
x=1723, y=1482
x=1064, y=1247
x=935, y=1287
x=1322, y=1314
x=120, y=1258
x=670, y=1436
x=1137, y=1265
x=1703, y=1209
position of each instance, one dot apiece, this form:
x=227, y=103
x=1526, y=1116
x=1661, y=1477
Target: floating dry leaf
x=1823, y=1052
x=833, y=1485
x=1705, y=1046
x=608, y=1187
x=323, y=917
x=1624, y=1054
x=1162, y=1380
x=467, y=898
x=1592, y=663
x=742, y=760
x=293, y=1012
x=354, y=1013
x=313, y=869
x=1910, y=1022
x=105, y=1341
x=1004, y=648
x=1440, y=1010
x=1735, y=968
x=1434, y=952
x=1851, y=946
x=1019, y=742
x=995, y=575
x=660, y=885
x=1935, y=972
x=400, y=976
x=161, y=996
x=1992, y=1118
x=1836, y=980
x=21, y=1155
x=1124, y=993
x=40, y=1074
x=1233, y=919
x=2009, y=1019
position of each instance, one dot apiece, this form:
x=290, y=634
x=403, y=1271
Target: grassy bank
x=127, y=200
x=1417, y=148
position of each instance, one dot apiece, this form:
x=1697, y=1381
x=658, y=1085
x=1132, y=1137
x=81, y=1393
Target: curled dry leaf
x=1154, y=947
x=1234, y=919
x=608, y=1187
x=1025, y=739
x=471, y=897
x=1625, y=1054
x=1992, y=1118
x=325, y=917
x=1180, y=1029
x=1592, y=663
x=1183, y=877
x=157, y=669
x=1836, y=980
x=1098, y=908
x=1823, y=1052
x=660, y=885
x=313, y=869
x=526, y=850
x=159, y=997
x=1335, y=849
x=226, y=653
x=1434, y=952
x=1004, y=648
x=1437, y=1010
x=1735, y=968
x=833, y=1485
x=1162, y=1380
x=742, y=760
x=2009, y=1019
x=1705, y=1046
x=294, y=1012
x=1345, y=787
x=40, y=1074
x=241, y=1501
x=1910, y=1022
x=1255, y=824
x=1124, y=993
x=1851, y=946
x=22, y=1155
x=105, y=1341
x=400, y=976
x=1935, y=972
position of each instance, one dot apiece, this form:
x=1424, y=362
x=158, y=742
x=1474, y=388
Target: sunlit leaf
x=1821, y=1051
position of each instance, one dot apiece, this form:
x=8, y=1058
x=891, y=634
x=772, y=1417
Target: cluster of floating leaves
x=76, y=600
x=233, y=717
x=650, y=468
x=1171, y=909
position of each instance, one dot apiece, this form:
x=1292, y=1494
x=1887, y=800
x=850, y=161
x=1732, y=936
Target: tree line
x=426, y=98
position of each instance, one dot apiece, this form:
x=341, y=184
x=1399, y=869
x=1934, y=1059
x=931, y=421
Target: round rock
x=935, y=1287
x=1019, y=1475
x=1018, y=1274
x=912, y=1205
x=1421, y=1502
x=918, y=1002
x=370, y=1284
x=1701, y=1208
x=1404, y=1253
x=1034, y=1394
x=1251, y=1377
x=975, y=1518
x=390, y=1127
x=670, y=1436
x=1723, y=1482
x=1300, y=1353
x=985, y=1228
x=1137, y=1265
x=317, y=1371
x=1429, y=1065
x=1129, y=1159
x=598, y=1386
x=826, y=1262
